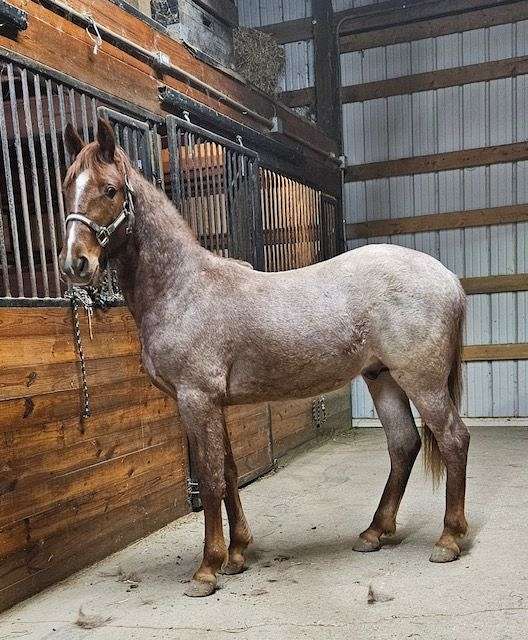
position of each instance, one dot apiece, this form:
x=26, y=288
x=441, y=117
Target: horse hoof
x=232, y=568
x=200, y=589
x=444, y=554
x=365, y=546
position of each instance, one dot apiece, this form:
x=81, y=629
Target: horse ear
x=72, y=140
x=106, y=140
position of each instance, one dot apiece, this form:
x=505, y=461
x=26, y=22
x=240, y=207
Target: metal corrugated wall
x=476, y=115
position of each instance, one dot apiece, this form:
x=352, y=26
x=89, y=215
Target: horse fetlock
x=214, y=558
x=236, y=563
x=241, y=538
x=455, y=527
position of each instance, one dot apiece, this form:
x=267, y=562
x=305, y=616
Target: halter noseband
x=103, y=233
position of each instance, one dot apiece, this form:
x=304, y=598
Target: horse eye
x=110, y=192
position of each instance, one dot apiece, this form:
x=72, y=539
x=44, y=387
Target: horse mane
x=89, y=158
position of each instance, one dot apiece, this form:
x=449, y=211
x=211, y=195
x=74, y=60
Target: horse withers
x=215, y=333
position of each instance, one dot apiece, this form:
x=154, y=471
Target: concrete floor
x=304, y=581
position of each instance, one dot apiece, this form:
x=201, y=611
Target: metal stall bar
x=47, y=184
x=36, y=105
x=11, y=206
x=35, y=181
x=137, y=139
x=21, y=178
x=215, y=192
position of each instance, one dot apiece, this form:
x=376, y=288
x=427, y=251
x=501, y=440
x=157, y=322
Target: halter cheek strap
x=103, y=233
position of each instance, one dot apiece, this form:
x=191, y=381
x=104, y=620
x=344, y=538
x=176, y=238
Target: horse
x=215, y=333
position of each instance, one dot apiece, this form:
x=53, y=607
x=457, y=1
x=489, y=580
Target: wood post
x=328, y=109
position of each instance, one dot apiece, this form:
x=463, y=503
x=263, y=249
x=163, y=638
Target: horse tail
x=433, y=462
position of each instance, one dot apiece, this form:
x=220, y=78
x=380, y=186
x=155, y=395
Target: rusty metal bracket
x=12, y=18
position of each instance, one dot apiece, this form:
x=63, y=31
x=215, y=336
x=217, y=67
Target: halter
x=103, y=233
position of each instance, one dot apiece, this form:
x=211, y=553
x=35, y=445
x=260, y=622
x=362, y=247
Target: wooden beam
x=290, y=31
x=496, y=284
x=399, y=12
x=298, y=97
x=225, y=10
x=326, y=63
x=478, y=19
x=438, y=162
x=485, y=352
x=454, y=77
x=438, y=222
x=457, y=76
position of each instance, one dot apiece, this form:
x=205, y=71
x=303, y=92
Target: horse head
x=98, y=197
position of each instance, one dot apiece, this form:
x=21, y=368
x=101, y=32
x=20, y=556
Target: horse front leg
x=239, y=531
x=204, y=422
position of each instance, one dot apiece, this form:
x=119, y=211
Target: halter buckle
x=103, y=236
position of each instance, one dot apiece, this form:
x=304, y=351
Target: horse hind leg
x=403, y=440
x=239, y=531
x=438, y=409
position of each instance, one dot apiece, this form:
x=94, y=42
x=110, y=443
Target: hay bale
x=259, y=58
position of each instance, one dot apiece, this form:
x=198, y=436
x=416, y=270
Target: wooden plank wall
x=434, y=100
x=72, y=491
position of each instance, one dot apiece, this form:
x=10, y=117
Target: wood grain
x=398, y=12
x=438, y=162
x=290, y=31
x=496, y=284
x=456, y=76
x=434, y=27
x=484, y=352
x=438, y=221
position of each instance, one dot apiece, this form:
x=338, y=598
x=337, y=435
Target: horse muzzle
x=80, y=269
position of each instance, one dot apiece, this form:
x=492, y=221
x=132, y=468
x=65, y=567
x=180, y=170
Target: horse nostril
x=81, y=266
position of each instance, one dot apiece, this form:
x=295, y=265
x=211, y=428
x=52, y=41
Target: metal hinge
x=193, y=493
x=319, y=412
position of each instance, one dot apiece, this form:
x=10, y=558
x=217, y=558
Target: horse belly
x=256, y=383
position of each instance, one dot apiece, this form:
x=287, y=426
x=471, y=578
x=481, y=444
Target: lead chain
x=86, y=412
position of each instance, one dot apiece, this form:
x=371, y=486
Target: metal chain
x=100, y=297
x=319, y=411
x=86, y=412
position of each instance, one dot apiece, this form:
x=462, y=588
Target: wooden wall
x=72, y=491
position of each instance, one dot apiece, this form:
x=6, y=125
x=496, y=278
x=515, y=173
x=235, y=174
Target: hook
x=96, y=39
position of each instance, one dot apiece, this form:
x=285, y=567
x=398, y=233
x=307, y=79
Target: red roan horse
x=215, y=332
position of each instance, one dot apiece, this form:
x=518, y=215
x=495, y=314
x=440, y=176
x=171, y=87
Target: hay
x=258, y=58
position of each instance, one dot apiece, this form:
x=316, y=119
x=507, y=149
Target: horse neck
x=162, y=253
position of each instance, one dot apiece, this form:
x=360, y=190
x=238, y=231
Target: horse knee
x=212, y=487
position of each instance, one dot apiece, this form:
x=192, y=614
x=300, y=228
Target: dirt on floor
x=304, y=580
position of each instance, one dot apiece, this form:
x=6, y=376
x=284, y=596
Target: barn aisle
x=304, y=581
